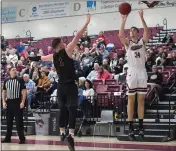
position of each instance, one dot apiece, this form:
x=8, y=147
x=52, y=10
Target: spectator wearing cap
x=93, y=75
x=30, y=87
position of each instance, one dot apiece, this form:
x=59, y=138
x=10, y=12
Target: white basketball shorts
x=136, y=81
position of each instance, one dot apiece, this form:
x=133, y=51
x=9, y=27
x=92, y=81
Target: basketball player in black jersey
x=67, y=89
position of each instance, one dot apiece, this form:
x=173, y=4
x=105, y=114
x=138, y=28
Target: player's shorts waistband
x=137, y=68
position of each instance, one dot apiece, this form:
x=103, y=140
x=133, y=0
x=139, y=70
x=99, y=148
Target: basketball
x=125, y=8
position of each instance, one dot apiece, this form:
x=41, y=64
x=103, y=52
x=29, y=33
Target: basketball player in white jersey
x=137, y=75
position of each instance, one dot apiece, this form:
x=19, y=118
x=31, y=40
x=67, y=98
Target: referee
x=14, y=96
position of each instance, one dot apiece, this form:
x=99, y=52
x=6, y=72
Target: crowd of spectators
x=93, y=61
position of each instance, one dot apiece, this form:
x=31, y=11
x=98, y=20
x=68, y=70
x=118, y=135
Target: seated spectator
x=50, y=50
x=162, y=60
x=94, y=47
x=45, y=69
x=85, y=40
x=35, y=77
x=113, y=62
x=119, y=68
x=93, y=75
x=26, y=70
x=40, y=53
x=97, y=55
x=81, y=48
x=10, y=50
x=88, y=91
x=104, y=74
x=13, y=58
x=20, y=66
x=122, y=76
x=81, y=83
x=149, y=62
x=53, y=76
x=44, y=82
x=103, y=51
x=106, y=65
x=156, y=78
x=168, y=39
x=87, y=62
x=168, y=61
x=30, y=87
x=77, y=54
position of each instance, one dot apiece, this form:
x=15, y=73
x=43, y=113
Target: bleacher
x=160, y=116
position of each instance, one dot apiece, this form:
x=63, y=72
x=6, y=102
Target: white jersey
x=136, y=55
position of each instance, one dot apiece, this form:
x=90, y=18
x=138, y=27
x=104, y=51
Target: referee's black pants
x=13, y=110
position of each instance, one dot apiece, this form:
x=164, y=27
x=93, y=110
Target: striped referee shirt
x=14, y=87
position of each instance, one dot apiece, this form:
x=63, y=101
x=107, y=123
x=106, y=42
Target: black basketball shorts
x=67, y=95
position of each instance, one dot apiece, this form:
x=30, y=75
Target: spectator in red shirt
x=104, y=74
x=101, y=39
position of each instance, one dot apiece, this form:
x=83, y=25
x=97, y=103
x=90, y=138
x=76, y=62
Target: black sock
x=140, y=124
x=131, y=125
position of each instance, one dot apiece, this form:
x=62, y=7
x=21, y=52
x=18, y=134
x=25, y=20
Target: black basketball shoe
x=141, y=134
x=131, y=135
x=62, y=137
x=71, y=144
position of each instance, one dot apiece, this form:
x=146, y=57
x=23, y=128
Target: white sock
x=71, y=132
x=62, y=132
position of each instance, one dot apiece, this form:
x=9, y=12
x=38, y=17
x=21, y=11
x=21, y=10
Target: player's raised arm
x=146, y=31
x=121, y=32
x=78, y=35
x=42, y=58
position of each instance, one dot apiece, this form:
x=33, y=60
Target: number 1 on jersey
x=61, y=63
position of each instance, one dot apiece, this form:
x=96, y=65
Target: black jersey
x=64, y=66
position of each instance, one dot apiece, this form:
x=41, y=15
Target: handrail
x=170, y=111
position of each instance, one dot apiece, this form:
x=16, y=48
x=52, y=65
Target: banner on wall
x=49, y=10
x=8, y=14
